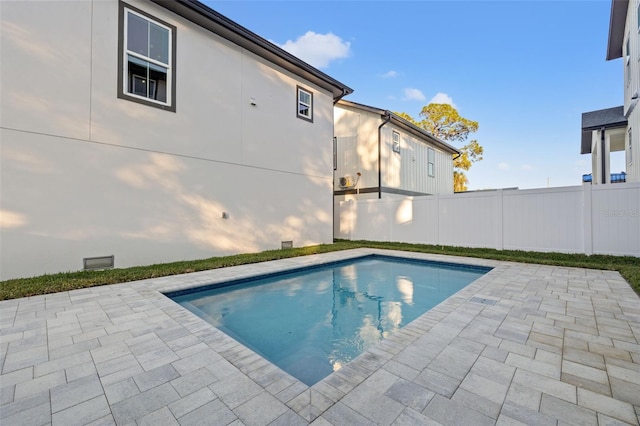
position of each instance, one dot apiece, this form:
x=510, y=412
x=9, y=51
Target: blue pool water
x=310, y=322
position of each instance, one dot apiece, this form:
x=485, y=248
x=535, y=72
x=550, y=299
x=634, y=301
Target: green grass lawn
x=629, y=267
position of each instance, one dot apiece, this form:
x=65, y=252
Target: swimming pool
x=312, y=321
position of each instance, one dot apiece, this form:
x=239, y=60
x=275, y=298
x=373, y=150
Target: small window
x=630, y=144
x=396, y=142
x=147, y=59
x=431, y=168
x=628, y=59
x=305, y=104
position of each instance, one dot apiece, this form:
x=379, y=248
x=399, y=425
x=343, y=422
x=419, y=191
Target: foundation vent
x=483, y=301
x=100, y=262
x=287, y=244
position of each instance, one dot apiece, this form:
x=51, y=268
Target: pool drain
x=483, y=301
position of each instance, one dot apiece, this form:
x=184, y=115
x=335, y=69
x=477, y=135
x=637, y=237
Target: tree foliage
x=444, y=122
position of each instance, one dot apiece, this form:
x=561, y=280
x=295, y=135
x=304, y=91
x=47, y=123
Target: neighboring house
x=618, y=128
x=379, y=155
x=155, y=131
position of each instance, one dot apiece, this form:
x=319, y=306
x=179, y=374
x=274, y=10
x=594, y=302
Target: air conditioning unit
x=349, y=181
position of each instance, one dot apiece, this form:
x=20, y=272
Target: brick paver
x=558, y=346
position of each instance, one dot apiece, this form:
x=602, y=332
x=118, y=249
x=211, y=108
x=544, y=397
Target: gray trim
x=356, y=191
x=310, y=92
x=375, y=189
x=121, y=93
x=616, y=28
x=213, y=21
x=427, y=137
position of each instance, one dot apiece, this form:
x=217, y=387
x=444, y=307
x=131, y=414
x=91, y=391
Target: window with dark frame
x=396, y=142
x=147, y=59
x=304, y=104
x=431, y=167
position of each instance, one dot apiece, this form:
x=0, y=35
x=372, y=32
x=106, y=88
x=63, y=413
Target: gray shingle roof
x=608, y=118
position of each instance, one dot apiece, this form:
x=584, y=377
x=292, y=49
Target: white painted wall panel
x=44, y=88
x=271, y=132
x=357, y=146
x=64, y=199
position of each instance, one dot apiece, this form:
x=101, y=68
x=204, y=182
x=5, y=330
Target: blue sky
x=525, y=70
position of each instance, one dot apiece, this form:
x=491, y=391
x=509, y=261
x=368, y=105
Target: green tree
x=444, y=122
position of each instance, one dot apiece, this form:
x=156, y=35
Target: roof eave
x=616, y=28
x=217, y=23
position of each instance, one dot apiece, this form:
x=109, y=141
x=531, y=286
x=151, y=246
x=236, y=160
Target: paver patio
x=559, y=346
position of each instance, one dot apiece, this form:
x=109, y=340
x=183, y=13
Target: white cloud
x=413, y=95
x=503, y=166
x=527, y=167
x=390, y=74
x=442, y=98
x=318, y=49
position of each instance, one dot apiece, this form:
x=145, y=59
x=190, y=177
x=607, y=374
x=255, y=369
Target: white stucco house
x=618, y=128
x=380, y=155
x=153, y=131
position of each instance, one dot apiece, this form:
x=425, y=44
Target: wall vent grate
x=287, y=244
x=99, y=262
x=483, y=301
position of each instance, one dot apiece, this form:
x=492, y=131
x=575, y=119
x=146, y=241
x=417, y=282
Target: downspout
x=387, y=115
x=454, y=170
x=603, y=162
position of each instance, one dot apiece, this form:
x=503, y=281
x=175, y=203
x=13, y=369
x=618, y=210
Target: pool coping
x=187, y=290
x=51, y=343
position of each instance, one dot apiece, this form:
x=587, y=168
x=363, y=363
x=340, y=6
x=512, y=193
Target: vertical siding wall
x=631, y=87
x=356, y=131
x=582, y=219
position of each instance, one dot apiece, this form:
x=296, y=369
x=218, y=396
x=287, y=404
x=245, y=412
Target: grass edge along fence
x=628, y=266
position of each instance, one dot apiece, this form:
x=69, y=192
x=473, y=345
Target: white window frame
x=307, y=117
x=431, y=162
x=396, y=141
x=123, y=78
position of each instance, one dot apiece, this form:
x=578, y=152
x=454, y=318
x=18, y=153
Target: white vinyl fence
x=590, y=219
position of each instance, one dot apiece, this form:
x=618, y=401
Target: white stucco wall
x=357, y=133
x=83, y=173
